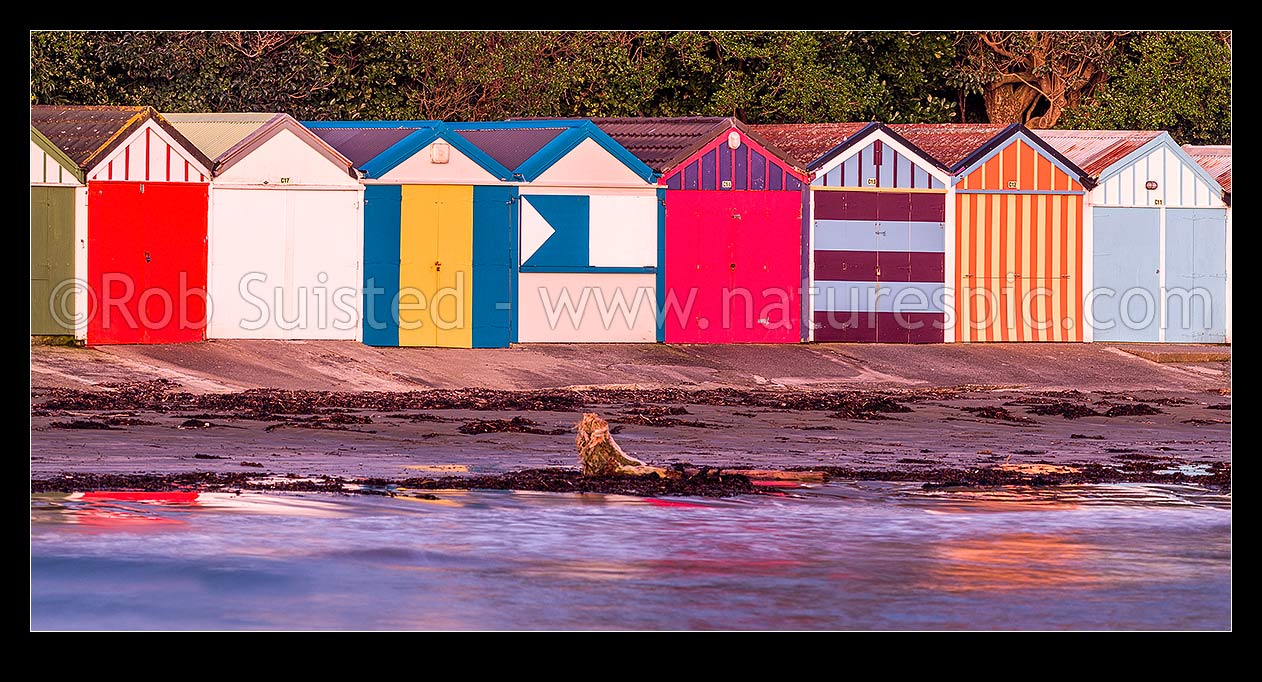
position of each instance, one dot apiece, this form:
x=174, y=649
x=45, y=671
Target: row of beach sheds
x=161, y=228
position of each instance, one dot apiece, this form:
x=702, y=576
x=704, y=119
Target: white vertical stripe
x=212, y=269
x=967, y=246
x=1127, y=177
x=1170, y=182
x=1161, y=279
x=1010, y=255
x=1228, y=296
x=157, y=159
x=1088, y=270
x=38, y=162
x=1057, y=224
x=81, y=261
x=1156, y=171
x=136, y=160
x=810, y=271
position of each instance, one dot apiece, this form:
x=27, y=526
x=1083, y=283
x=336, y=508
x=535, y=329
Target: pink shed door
x=733, y=272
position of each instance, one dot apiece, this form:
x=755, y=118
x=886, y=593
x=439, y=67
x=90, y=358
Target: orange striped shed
x=1018, y=242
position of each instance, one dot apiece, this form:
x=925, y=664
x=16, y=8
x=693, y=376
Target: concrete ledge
x=224, y=366
x=1179, y=353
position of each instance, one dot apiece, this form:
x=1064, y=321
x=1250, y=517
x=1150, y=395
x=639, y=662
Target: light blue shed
x=1158, y=238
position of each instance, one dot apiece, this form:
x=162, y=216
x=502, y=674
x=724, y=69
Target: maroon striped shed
x=878, y=233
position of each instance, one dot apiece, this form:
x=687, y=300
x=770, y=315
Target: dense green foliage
x=760, y=76
x=1180, y=82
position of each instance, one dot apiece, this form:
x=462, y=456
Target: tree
x=1179, y=82
x=911, y=68
x=1033, y=77
x=769, y=76
x=65, y=69
x=180, y=70
x=765, y=77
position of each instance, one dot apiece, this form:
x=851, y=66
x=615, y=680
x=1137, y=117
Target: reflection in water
x=861, y=555
x=1013, y=561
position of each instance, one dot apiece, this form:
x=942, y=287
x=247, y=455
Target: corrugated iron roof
x=86, y=134
x=807, y=142
x=661, y=141
x=949, y=143
x=362, y=145
x=1215, y=158
x=215, y=134
x=510, y=146
x=1095, y=151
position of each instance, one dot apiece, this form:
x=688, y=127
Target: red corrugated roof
x=1215, y=158
x=660, y=142
x=807, y=142
x=949, y=143
x=1095, y=150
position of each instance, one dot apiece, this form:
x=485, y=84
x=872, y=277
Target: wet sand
x=157, y=430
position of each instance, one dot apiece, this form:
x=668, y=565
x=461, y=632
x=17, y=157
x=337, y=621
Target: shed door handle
x=147, y=258
x=731, y=265
x=438, y=266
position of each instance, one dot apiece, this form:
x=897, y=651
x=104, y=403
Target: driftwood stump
x=598, y=454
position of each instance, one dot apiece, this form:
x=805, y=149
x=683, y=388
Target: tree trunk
x=1055, y=87
x=598, y=454
x=1008, y=102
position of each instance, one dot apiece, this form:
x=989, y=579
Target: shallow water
x=836, y=556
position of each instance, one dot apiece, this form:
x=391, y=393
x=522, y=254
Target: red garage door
x=733, y=266
x=146, y=262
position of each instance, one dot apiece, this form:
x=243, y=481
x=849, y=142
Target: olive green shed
x=56, y=183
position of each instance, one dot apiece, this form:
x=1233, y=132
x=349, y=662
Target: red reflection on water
x=101, y=513
x=672, y=503
x=171, y=497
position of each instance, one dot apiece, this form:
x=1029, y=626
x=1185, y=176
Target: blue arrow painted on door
x=555, y=230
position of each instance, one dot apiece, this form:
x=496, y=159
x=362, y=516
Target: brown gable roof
x=87, y=134
x=662, y=142
x=949, y=143
x=806, y=143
